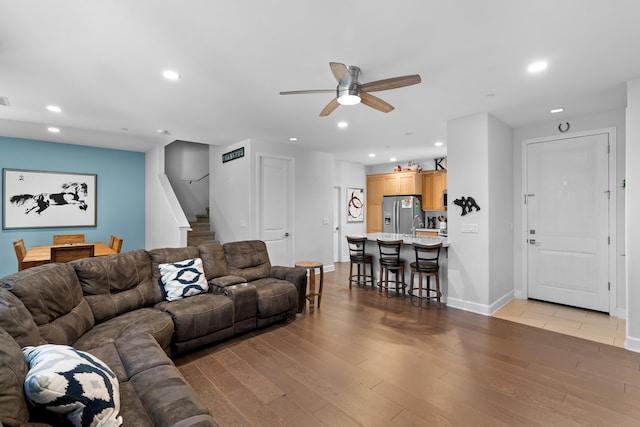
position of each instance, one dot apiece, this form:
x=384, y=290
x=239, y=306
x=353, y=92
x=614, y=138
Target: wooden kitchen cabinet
x=433, y=185
x=426, y=233
x=388, y=184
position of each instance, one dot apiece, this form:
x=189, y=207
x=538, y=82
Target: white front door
x=567, y=221
x=276, y=208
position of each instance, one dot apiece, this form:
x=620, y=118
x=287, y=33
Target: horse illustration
x=42, y=201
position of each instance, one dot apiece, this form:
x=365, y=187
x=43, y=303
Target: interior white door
x=567, y=221
x=276, y=208
x=337, y=234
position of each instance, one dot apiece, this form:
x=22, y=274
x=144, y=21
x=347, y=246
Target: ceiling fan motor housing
x=348, y=91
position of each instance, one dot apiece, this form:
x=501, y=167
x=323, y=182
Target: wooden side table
x=311, y=293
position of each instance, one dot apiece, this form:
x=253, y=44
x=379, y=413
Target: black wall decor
x=467, y=204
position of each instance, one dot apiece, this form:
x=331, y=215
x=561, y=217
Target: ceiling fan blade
x=330, y=108
x=301, y=92
x=375, y=102
x=341, y=73
x=392, y=83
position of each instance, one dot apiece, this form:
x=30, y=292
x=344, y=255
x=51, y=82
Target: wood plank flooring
x=363, y=359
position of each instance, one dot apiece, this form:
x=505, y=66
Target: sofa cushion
x=183, y=279
x=59, y=320
x=144, y=320
x=275, y=297
x=199, y=320
x=152, y=382
x=214, y=259
x=168, y=255
x=73, y=383
x=17, y=321
x=13, y=370
x=117, y=284
x=248, y=259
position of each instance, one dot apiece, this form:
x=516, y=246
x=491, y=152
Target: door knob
x=286, y=235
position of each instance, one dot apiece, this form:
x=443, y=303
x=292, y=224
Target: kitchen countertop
x=408, y=240
x=433, y=230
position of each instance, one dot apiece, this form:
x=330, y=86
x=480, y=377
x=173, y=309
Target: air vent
x=4, y=101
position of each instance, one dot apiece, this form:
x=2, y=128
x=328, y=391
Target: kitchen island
x=408, y=254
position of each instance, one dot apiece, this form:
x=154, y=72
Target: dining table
x=39, y=255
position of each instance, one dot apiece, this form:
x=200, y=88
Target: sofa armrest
x=297, y=276
x=224, y=281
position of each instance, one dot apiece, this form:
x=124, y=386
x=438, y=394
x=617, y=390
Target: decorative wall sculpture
x=468, y=204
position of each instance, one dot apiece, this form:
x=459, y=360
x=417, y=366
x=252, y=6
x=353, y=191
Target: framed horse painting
x=38, y=199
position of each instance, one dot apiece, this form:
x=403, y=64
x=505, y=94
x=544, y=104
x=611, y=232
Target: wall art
x=355, y=205
x=468, y=204
x=39, y=199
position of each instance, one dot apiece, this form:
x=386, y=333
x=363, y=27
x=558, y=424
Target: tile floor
x=566, y=320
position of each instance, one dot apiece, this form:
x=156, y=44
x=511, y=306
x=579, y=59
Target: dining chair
x=115, y=243
x=21, y=252
x=63, y=239
x=70, y=253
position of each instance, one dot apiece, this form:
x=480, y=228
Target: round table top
x=309, y=264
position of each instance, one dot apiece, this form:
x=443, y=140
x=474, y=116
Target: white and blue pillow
x=183, y=279
x=72, y=383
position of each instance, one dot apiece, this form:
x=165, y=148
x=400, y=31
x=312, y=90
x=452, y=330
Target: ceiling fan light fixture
x=348, y=96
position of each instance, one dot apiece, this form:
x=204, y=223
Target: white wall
x=632, y=213
x=165, y=223
x=468, y=255
x=233, y=197
x=607, y=119
x=187, y=166
x=231, y=203
x=500, y=213
x=349, y=175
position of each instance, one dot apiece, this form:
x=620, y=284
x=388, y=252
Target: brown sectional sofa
x=114, y=308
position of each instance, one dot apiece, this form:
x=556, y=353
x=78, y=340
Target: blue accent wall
x=121, y=192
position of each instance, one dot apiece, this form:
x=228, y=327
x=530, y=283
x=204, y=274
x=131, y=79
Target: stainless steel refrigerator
x=400, y=214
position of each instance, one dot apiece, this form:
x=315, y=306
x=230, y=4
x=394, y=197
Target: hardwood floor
x=363, y=359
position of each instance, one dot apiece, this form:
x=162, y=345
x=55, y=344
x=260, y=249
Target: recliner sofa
x=115, y=309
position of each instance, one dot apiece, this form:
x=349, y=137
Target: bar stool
x=390, y=261
x=311, y=294
x=426, y=265
x=360, y=258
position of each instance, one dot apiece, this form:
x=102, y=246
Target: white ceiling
x=102, y=62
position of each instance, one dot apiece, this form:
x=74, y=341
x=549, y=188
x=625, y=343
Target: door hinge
x=609, y=286
x=608, y=148
x=608, y=240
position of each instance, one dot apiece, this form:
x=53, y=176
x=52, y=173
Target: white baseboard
x=632, y=344
x=483, y=309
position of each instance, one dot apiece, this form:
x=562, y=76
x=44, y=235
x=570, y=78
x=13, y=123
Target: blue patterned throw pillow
x=73, y=383
x=183, y=279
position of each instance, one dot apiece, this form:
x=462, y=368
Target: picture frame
x=42, y=199
x=355, y=205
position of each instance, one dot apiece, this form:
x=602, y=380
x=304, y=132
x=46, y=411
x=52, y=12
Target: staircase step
x=202, y=218
x=195, y=238
x=200, y=226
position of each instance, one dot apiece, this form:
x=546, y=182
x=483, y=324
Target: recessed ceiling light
x=556, y=110
x=54, y=108
x=293, y=139
x=438, y=143
x=372, y=154
x=393, y=159
x=537, y=66
x=53, y=130
x=162, y=131
x=170, y=75
x=343, y=124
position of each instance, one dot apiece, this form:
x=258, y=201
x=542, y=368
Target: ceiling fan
x=350, y=91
